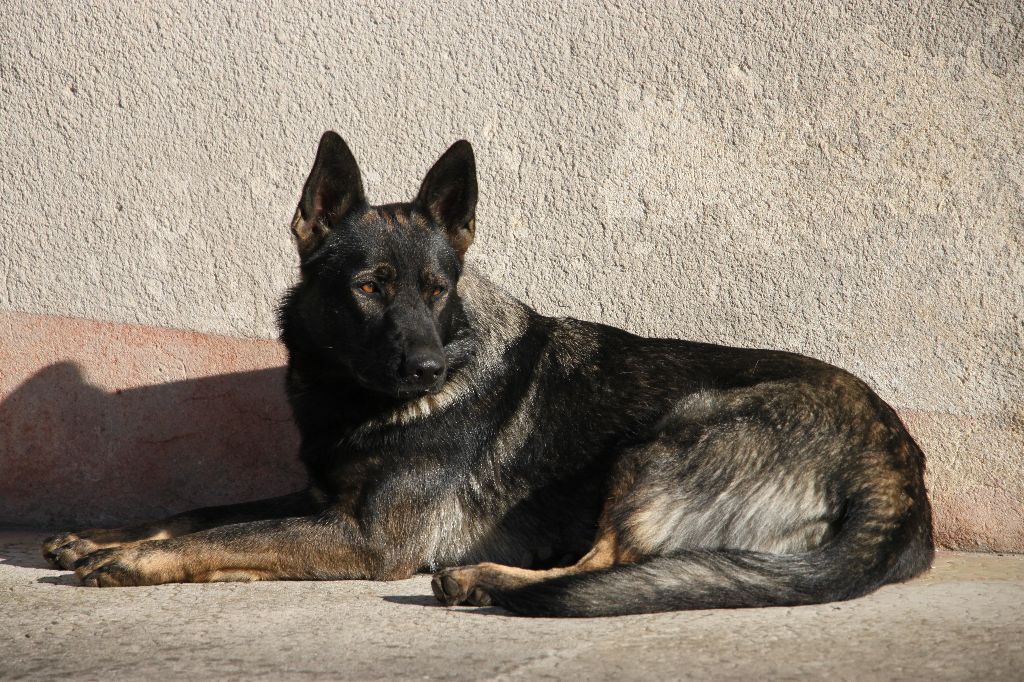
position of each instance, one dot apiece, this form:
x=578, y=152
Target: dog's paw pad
x=456, y=586
x=447, y=589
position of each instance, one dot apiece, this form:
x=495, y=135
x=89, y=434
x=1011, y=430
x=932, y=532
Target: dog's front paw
x=64, y=549
x=454, y=586
x=147, y=563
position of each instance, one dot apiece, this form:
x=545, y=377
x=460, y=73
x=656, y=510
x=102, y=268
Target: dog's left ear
x=448, y=195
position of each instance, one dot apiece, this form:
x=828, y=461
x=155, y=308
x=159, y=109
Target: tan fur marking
x=236, y=575
x=307, y=233
x=474, y=581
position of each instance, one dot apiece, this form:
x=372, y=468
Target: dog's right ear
x=333, y=189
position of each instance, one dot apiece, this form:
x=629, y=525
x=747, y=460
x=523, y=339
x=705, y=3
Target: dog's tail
x=866, y=552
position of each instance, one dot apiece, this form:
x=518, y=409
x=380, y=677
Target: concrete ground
x=964, y=620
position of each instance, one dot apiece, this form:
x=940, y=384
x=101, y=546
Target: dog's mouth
x=411, y=393
x=398, y=391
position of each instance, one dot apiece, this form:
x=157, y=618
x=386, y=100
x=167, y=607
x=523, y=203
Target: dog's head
x=379, y=283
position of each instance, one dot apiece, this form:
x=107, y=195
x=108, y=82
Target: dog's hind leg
x=64, y=549
x=473, y=584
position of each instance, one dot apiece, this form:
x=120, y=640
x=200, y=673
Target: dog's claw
x=54, y=545
x=67, y=555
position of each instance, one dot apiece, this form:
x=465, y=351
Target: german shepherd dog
x=550, y=466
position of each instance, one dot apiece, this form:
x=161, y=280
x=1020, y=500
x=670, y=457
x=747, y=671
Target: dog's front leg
x=65, y=549
x=324, y=547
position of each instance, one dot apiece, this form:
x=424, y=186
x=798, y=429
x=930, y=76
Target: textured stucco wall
x=843, y=180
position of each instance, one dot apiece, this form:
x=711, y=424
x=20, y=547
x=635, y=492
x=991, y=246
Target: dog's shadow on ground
x=25, y=552
x=412, y=599
x=74, y=455
x=431, y=602
x=64, y=579
x=24, y=549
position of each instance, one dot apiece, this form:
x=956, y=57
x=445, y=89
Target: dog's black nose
x=423, y=368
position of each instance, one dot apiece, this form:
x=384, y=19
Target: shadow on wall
x=73, y=455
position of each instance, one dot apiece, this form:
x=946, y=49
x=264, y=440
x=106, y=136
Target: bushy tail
x=862, y=556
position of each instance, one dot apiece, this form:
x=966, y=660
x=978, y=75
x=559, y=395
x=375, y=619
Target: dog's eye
x=436, y=292
x=368, y=288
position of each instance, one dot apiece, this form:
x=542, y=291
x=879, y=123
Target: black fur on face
x=378, y=296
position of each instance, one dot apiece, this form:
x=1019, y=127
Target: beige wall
x=841, y=180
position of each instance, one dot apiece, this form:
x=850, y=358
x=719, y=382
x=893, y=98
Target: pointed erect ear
x=333, y=189
x=448, y=195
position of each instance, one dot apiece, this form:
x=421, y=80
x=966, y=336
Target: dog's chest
x=453, y=480
x=457, y=534
x=451, y=534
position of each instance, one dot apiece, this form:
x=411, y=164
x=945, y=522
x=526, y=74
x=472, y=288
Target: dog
x=546, y=465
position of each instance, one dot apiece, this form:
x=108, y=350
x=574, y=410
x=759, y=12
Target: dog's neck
x=494, y=319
